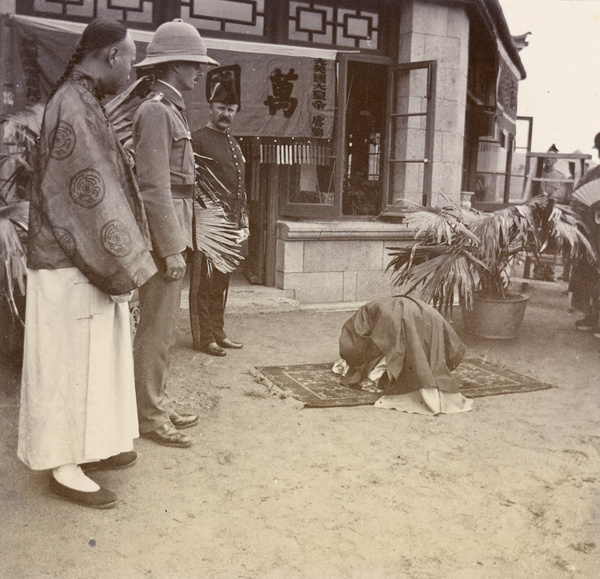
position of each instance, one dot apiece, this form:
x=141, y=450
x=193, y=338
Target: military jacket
x=224, y=160
x=164, y=161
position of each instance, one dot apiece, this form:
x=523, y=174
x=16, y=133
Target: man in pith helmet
x=164, y=157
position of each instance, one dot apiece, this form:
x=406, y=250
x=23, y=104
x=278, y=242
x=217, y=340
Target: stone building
x=352, y=112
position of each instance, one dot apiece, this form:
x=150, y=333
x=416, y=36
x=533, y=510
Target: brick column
x=430, y=31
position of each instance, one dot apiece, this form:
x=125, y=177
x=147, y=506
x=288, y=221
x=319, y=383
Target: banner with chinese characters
x=286, y=91
x=282, y=96
x=507, y=87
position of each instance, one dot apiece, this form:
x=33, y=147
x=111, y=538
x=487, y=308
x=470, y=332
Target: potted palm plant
x=471, y=255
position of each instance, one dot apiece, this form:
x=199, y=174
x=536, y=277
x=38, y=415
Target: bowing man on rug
x=408, y=349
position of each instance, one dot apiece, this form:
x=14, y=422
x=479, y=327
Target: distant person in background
x=584, y=281
x=553, y=184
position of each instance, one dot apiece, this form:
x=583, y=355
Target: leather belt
x=183, y=191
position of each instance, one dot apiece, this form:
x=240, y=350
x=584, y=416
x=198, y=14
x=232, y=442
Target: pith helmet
x=176, y=41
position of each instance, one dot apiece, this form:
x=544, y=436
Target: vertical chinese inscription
x=319, y=96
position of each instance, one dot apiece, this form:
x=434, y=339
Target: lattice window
x=138, y=11
x=337, y=25
x=230, y=16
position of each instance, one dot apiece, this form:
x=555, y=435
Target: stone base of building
x=332, y=262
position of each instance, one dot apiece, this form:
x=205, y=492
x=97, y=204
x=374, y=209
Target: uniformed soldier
x=165, y=171
x=225, y=164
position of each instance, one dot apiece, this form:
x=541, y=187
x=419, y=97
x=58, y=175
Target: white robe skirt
x=77, y=391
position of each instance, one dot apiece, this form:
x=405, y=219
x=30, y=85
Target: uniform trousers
x=160, y=302
x=208, y=297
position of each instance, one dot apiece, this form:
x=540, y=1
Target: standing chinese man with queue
x=88, y=243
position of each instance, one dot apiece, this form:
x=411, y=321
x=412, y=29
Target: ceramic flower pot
x=496, y=319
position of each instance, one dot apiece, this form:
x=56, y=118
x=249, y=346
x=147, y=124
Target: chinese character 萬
x=282, y=98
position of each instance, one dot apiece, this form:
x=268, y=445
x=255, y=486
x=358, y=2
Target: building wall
x=430, y=31
x=7, y=6
x=336, y=261
x=346, y=261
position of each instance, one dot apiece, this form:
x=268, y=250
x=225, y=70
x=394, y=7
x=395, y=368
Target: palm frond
x=121, y=110
x=216, y=235
x=459, y=252
x=17, y=163
x=13, y=260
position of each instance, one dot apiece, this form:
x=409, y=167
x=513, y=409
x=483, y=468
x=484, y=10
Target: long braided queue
x=99, y=34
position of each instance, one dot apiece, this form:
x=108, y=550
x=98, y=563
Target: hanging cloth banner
x=286, y=91
x=507, y=86
x=282, y=96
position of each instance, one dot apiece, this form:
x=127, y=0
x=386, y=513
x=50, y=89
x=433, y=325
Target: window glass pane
x=522, y=136
x=518, y=176
x=305, y=169
x=409, y=173
x=491, y=172
x=312, y=184
x=365, y=122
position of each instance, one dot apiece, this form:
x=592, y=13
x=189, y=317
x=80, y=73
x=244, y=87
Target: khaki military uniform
x=165, y=173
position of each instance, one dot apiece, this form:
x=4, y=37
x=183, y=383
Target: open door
x=411, y=102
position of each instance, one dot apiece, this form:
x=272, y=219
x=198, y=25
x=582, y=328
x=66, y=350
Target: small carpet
x=317, y=386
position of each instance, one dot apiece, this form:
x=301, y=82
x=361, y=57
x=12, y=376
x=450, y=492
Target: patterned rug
x=318, y=387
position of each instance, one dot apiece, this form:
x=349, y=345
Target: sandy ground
x=509, y=490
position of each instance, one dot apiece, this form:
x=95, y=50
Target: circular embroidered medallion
x=65, y=240
x=87, y=188
x=115, y=238
x=62, y=141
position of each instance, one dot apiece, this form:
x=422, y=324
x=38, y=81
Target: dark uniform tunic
x=223, y=157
